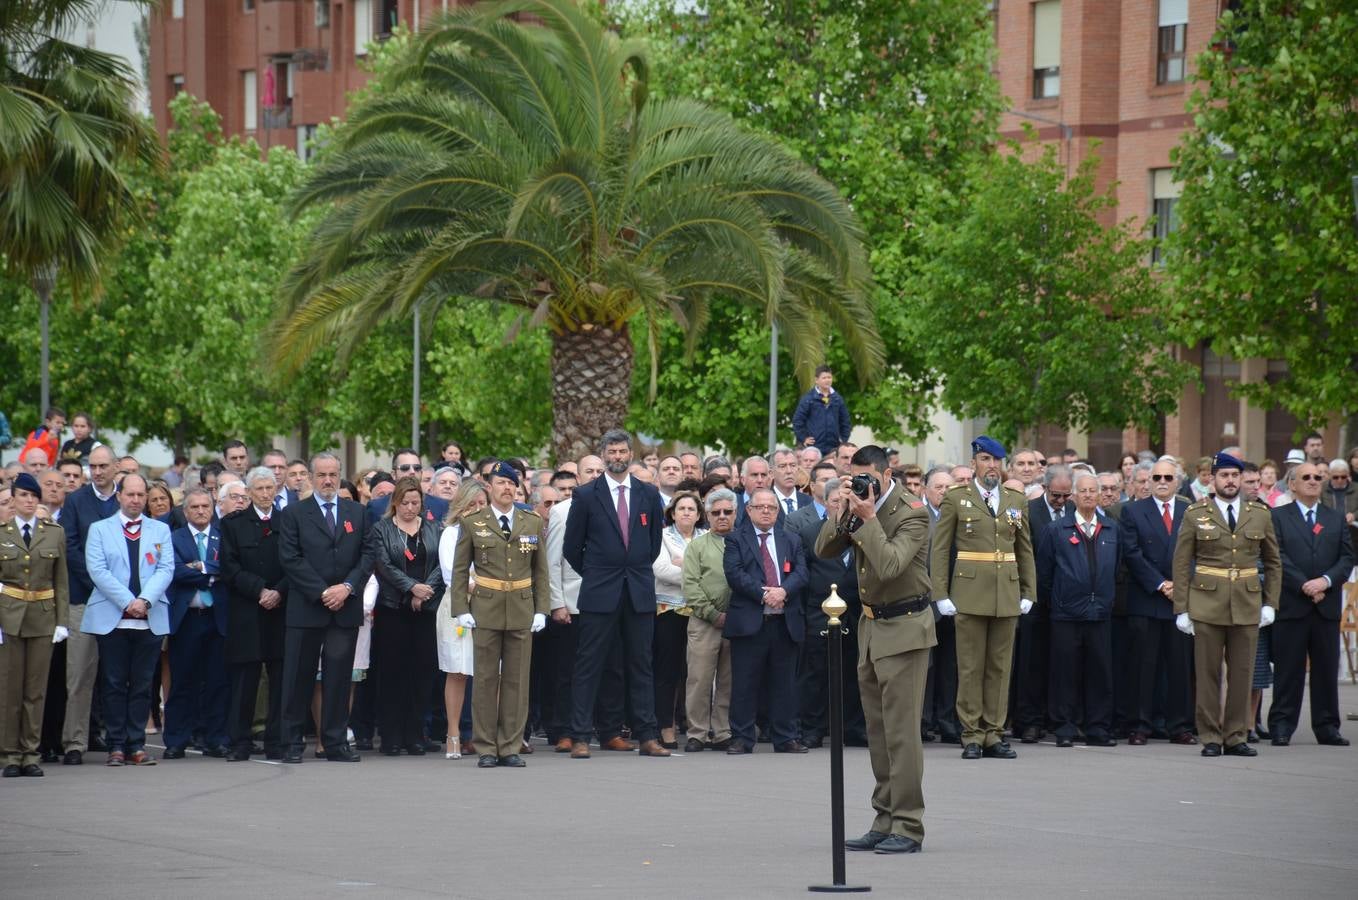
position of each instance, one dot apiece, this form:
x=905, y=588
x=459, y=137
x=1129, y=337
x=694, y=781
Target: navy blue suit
x=1032, y=641
x=1156, y=650
x=199, y=690
x=617, y=597
x=764, y=647
x=1078, y=576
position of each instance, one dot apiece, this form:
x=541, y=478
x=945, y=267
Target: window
x=1046, y=49
x=322, y=13
x=306, y=142
x=176, y=85
x=248, y=5
x=363, y=26
x=177, y=9
x=250, y=93
x=387, y=20
x=1165, y=193
x=1173, y=32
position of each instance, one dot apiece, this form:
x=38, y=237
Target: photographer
x=888, y=529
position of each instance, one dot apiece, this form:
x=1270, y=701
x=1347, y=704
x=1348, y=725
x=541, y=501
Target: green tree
x=66, y=122
x=526, y=165
x=1265, y=262
x=889, y=101
x=1057, y=328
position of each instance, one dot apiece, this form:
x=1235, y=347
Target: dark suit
x=940, y=688
x=1154, y=645
x=1306, y=630
x=1032, y=643
x=254, y=635
x=314, y=558
x=199, y=690
x=617, y=596
x=763, y=645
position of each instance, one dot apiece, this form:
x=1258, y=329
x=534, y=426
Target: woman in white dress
x=454, y=641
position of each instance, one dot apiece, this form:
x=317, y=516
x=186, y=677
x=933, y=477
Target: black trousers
x=558, y=661
x=199, y=690
x=767, y=658
x=1294, y=642
x=598, y=637
x=1028, y=683
x=54, y=707
x=1124, y=713
x=1157, y=649
x=940, y=688
x=240, y=711
x=404, y=643
x=332, y=648
x=127, y=660
x=670, y=654
x=1082, y=674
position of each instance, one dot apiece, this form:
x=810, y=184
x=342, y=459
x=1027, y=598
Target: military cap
x=1227, y=461
x=505, y=470
x=985, y=444
x=26, y=482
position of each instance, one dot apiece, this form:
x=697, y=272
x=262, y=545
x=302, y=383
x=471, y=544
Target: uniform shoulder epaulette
x=1197, y=503
x=529, y=512
x=1264, y=506
x=1012, y=491
x=958, y=487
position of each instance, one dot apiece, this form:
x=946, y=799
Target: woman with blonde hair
x=454, y=641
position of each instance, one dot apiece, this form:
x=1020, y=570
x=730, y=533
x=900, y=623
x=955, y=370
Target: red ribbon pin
x=150, y=559
x=1318, y=528
x=643, y=520
x=410, y=556
x=787, y=566
x=1075, y=540
x=348, y=527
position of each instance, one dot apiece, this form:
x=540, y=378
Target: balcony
x=278, y=116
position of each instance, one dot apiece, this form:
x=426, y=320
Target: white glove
x=62, y=633
x=1025, y=606
x=466, y=620
x=540, y=622
x=946, y=608
x=2, y=637
x=1184, y=623
x=1266, y=616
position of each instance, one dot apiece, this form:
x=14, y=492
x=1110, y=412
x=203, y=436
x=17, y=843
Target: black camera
x=864, y=486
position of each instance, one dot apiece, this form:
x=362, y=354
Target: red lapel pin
x=348, y=527
x=1318, y=528
x=643, y=520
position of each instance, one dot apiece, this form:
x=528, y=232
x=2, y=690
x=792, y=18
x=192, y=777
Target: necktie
x=989, y=502
x=28, y=535
x=1230, y=517
x=770, y=570
x=278, y=502
x=330, y=516
x=504, y=526
x=1169, y=519
x=1310, y=523
x=623, y=518
x=204, y=597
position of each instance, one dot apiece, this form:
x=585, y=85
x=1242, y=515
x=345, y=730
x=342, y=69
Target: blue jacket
x=745, y=574
x=107, y=564
x=189, y=580
x=826, y=421
x=1074, y=592
x=81, y=510
x=1148, y=551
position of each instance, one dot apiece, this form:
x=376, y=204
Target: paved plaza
x=1152, y=821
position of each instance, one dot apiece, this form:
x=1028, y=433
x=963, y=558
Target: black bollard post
x=834, y=607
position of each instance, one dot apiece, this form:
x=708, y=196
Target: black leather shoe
x=1030, y=735
x=73, y=758
x=240, y=754
x=813, y=742
x=343, y=753
x=415, y=749
x=292, y=755
x=1063, y=741
x=722, y=744
x=693, y=745
x=1002, y=750
x=363, y=744
x=275, y=754
x=1333, y=740
x=512, y=761
x=51, y=756
x=32, y=770
x=868, y=841
x=1211, y=749
x=947, y=737
x=1100, y=741
x=390, y=751
x=738, y=748
x=221, y=751
x=971, y=751
x=486, y=761
x=430, y=747
x=173, y=753
x=928, y=737
x=1251, y=737
x=1263, y=732
x=898, y=843
x=1240, y=750
x=790, y=747
x=1281, y=740
x=12, y=772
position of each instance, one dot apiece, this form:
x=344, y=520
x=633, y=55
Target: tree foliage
x=1265, y=261
x=1035, y=312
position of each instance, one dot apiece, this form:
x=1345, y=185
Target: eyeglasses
x=765, y=507
x=1310, y=477
x=1162, y=477
x=409, y=467
x=721, y=512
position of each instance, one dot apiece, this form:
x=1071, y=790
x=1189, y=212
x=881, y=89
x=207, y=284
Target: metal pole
x=834, y=607
x=773, y=390
x=415, y=389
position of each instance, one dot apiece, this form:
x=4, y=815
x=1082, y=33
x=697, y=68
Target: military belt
x=997, y=556
x=906, y=607
x=29, y=596
x=1231, y=573
x=496, y=584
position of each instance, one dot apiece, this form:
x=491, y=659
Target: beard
x=618, y=467
x=990, y=481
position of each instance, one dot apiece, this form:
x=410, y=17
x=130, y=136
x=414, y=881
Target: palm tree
x=525, y=163
x=66, y=124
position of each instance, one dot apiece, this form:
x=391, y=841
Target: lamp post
x=773, y=389
x=834, y=607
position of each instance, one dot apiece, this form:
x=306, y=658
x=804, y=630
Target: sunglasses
x=1311, y=477
x=722, y=512
x=409, y=467
x=1162, y=477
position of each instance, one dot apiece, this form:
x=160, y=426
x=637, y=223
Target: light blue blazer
x=106, y=559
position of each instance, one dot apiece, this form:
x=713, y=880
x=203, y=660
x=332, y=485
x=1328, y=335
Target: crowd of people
x=241, y=608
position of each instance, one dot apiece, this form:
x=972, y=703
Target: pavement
x=1117, y=822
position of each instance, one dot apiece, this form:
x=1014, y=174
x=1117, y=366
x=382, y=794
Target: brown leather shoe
x=564, y=745
x=620, y=744
x=469, y=748
x=1185, y=738
x=579, y=750
x=526, y=747
x=652, y=748
x=1136, y=739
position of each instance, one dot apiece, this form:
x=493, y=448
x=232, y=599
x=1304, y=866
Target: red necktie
x=1169, y=520
x=770, y=570
x=623, y=517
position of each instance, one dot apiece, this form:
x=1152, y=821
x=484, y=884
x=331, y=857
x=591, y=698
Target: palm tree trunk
x=591, y=384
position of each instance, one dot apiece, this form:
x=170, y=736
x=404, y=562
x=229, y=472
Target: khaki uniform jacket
x=983, y=588
x=705, y=589
x=41, y=566
x=521, y=558
x=891, y=552
x=1204, y=540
